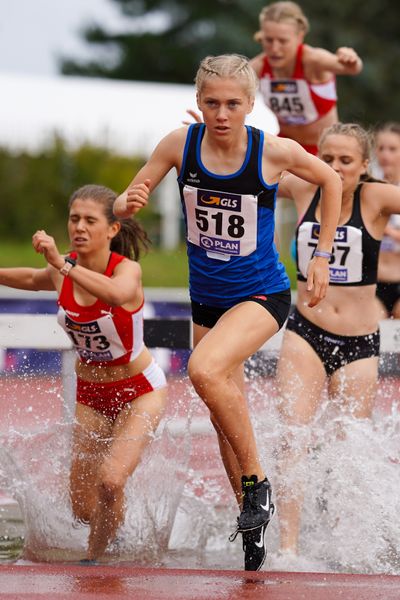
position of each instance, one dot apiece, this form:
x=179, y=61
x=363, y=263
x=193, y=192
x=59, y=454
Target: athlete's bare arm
x=168, y=154
x=123, y=288
x=26, y=278
x=322, y=63
x=298, y=190
x=389, y=197
x=283, y=154
x=257, y=63
x=286, y=155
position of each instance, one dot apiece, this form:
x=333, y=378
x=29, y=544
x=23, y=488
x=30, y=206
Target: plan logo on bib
x=219, y=245
x=337, y=275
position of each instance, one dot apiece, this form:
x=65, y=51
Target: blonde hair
x=228, y=66
x=363, y=137
x=354, y=130
x=391, y=127
x=283, y=11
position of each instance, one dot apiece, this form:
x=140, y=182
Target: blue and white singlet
x=230, y=225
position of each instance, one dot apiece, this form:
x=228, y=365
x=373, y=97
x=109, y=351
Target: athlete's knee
x=199, y=373
x=203, y=373
x=111, y=483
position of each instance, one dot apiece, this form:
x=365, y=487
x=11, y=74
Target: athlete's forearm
x=111, y=291
x=331, y=199
x=24, y=278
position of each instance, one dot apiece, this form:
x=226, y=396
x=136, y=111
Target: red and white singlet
x=101, y=333
x=294, y=100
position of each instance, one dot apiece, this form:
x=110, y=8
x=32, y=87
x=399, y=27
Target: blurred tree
x=168, y=38
x=35, y=187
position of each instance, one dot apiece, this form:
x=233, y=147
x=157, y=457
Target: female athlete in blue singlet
x=120, y=389
x=338, y=345
x=228, y=177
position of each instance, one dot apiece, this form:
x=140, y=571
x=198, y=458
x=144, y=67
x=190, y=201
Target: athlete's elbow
x=118, y=297
x=119, y=208
x=331, y=180
x=115, y=299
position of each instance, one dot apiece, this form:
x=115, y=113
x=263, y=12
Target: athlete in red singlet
x=120, y=389
x=297, y=81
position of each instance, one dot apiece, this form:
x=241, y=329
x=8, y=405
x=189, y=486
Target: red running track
x=62, y=582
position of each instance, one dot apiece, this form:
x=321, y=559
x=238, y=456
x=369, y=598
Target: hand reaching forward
x=137, y=196
x=195, y=115
x=317, y=280
x=347, y=56
x=45, y=244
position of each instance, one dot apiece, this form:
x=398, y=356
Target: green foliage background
x=35, y=187
x=188, y=30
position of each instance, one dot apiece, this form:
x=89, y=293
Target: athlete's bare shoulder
x=320, y=63
x=383, y=197
x=171, y=146
x=278, y=148
x=177, y=136
x=257, y=63
x=279, y=154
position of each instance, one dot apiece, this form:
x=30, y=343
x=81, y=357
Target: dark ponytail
x=130, y=240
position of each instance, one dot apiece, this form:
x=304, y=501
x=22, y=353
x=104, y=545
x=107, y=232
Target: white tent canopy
x=130, y=117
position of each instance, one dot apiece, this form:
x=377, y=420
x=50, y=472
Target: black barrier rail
x=174, y=334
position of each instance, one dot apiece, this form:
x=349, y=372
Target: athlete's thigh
x=90, y=441
x=133, y=431
x=300, y=379
x=238, y=334
x=355, y=385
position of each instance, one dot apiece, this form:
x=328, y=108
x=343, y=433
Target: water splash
x=180, y=509
x=350, y=476
x=35, y=471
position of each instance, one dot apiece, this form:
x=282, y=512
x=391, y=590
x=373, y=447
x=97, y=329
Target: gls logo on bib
x=213, y=199
x=340, y=235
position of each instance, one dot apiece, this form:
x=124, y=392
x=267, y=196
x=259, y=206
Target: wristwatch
x=67, y=266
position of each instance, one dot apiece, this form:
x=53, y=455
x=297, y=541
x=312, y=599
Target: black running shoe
x=257, y=506
x=254, y=548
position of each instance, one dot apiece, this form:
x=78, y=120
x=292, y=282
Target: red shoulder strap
x=266, y=68
x=66, y=288
x=113, y=261
x=298, y=72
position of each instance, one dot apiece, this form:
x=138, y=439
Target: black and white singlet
x=355, y=252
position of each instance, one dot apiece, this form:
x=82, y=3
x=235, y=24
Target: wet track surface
x=77, y=582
